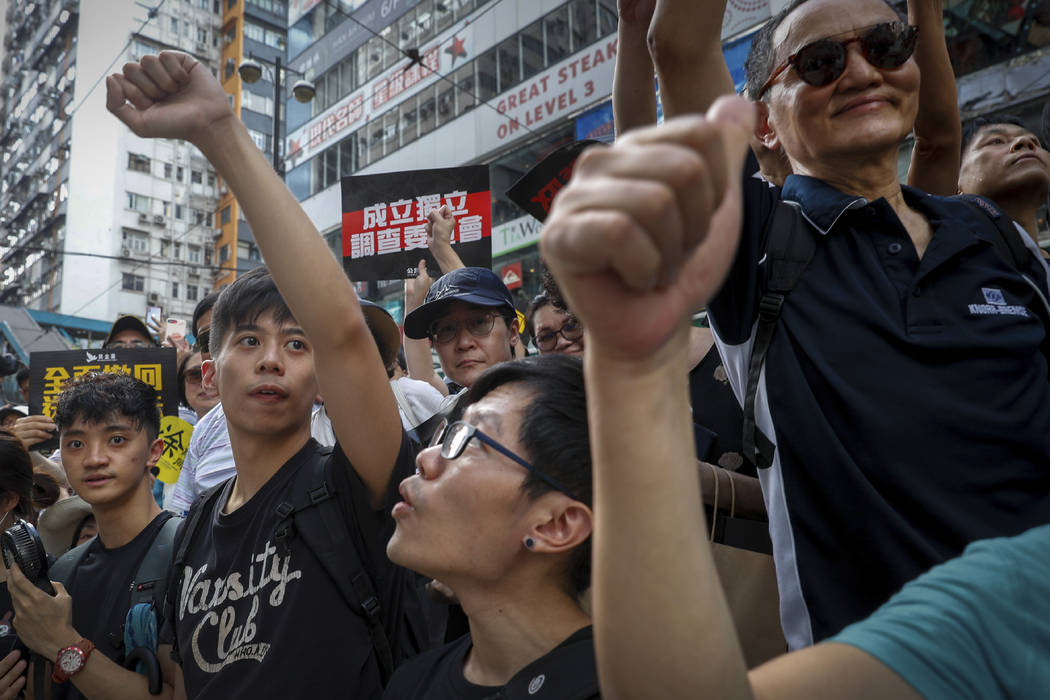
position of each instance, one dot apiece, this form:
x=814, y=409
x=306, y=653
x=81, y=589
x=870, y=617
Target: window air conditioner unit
x=154, y=297
x=143, y=218
x=195, y=271
x=158, y=219
x=125, y=253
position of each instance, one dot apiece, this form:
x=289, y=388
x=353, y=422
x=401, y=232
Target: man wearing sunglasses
x=905, y=360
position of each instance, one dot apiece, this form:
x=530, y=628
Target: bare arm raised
x=616, y=240
x=663, y=194
x=936, y=155
x=685, y=41
x=173, y=96
x=633, y=94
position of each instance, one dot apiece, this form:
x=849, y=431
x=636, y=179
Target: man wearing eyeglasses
x=470, y=319
x=129, y=332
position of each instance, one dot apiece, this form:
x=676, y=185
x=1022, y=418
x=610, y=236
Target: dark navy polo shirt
x=908, y=398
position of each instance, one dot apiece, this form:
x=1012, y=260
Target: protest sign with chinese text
x=534, y=191
x=49, y=372
x=385, y=220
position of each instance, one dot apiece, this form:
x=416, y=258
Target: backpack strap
x=789, y=249
x=66, y=564
x=316, y=517
x=1012, y=248
x=155, y=566
x=178, y=561
x=1008, y=242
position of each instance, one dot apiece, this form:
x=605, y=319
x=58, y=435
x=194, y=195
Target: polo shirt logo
x=995, y=305
x=994, y=296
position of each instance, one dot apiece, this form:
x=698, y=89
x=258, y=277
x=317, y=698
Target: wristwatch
x=71, y=660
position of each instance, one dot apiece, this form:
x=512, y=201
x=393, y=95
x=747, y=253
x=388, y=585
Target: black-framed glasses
x=887, y=45
x=454, y=438
x=571, y=330
x=200, y=343
x=478, y=326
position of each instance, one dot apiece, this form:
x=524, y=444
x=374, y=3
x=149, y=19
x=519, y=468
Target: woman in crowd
x=553, y=330
x=16, y=503
x=192, y=391
x=499, y=512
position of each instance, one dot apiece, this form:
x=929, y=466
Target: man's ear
x=209, y=375
x=765, y=131
x=563, y=525
x=155, y=452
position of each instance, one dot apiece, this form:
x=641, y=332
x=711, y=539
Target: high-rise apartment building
x=96, y=221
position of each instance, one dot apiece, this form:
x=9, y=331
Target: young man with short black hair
x=1002, y=160
x=108, y=426
x=256, y=611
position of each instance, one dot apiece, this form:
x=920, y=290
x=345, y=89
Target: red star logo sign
x=457, y=50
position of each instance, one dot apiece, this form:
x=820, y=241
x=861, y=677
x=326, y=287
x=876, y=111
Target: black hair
x=759, y=64
x=250, y=296
x=538, y=302
x=16, y=474
x=974, y=126
x=203, y=306
x=22, y=375
x=90, y=517
x=554, y=433
x=96, y=396
x=398, y=361
x=1046, y=123
x=553, y=291
x=46, y=490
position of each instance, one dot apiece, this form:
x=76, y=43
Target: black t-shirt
x=100, y=587
x=253, y=623
x=567, y=672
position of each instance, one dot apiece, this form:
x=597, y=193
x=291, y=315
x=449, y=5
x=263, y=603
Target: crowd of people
x=872, y=397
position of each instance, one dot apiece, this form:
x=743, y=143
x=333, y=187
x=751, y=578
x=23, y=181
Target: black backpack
x=314, y=516
x=148, y=588
x=789, y=249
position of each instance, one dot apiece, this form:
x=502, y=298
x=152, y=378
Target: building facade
x=251, y=29
x=504, y=82
x=97, y=221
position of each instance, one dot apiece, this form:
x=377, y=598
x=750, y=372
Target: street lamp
x=303, y=90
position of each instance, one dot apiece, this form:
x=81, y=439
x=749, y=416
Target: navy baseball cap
x=473, y=285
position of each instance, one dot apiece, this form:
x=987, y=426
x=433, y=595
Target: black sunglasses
x=888, y=45
x=200, y=343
